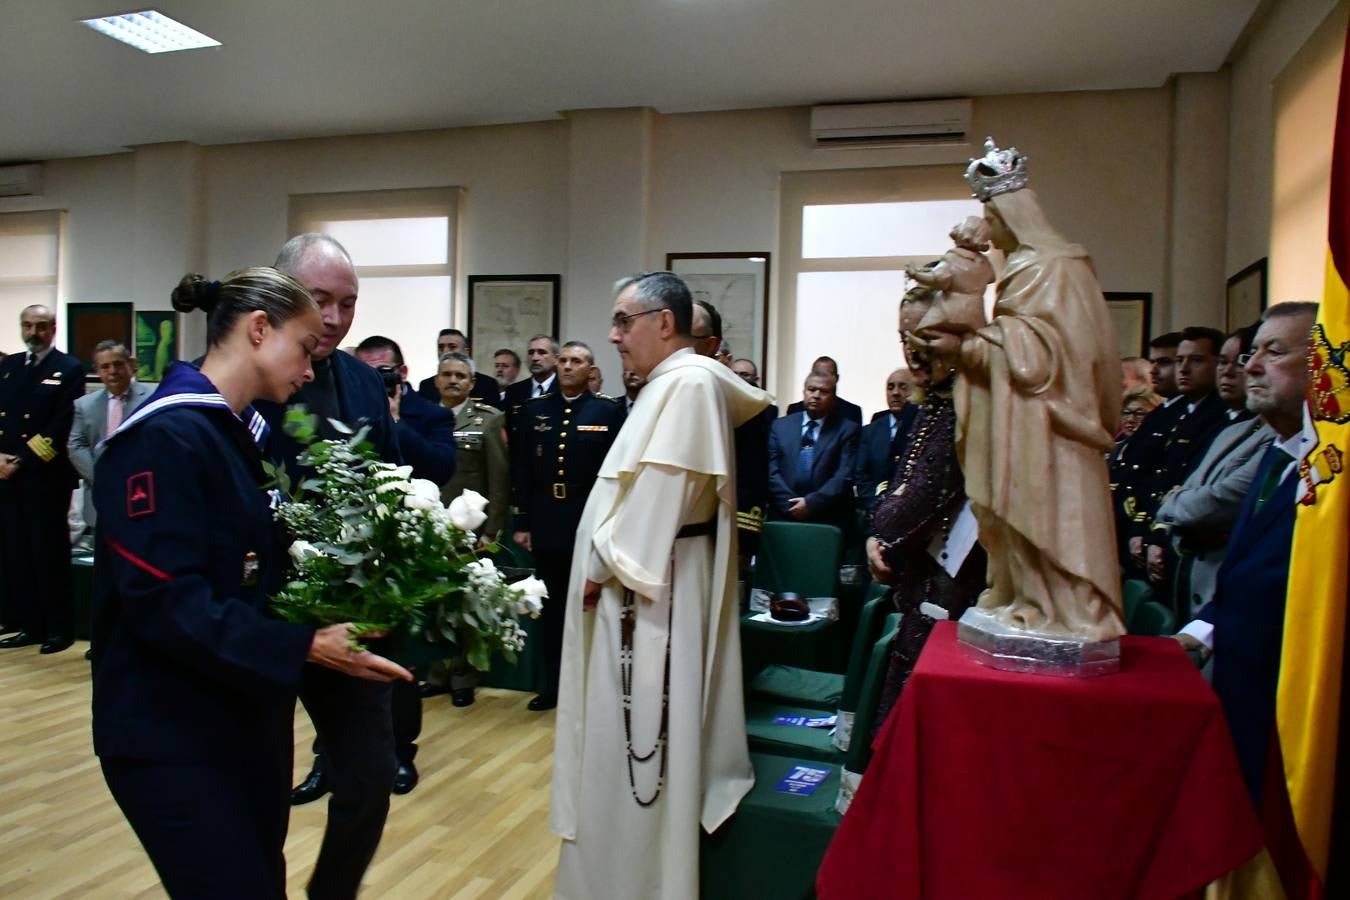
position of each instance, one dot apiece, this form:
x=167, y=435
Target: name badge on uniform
x=250, y=576
x=592, y=428
x=53, y=381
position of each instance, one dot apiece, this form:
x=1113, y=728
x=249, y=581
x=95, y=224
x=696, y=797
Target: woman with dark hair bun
x=194, y=683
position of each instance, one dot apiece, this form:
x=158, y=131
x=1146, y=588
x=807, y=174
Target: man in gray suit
x=1199, y=513
x=97, y=415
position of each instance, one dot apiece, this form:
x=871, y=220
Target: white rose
x=532, y=594
x=475, y=500
x=465, y=513
x=396, y=478
x=303, y=550
x=422, y=494
x=482, y=568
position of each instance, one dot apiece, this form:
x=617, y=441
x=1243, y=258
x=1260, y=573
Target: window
x=847, y=239
x=403, y=246
x=29, y=269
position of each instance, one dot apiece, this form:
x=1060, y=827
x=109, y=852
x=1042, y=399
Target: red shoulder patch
x=140, y=495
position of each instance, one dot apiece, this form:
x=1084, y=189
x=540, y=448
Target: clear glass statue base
x=1000, y=646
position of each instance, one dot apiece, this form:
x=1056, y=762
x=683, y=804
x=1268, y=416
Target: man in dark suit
x=353, y=718
x=559, y=442
x=812, y=456
x=850, y=411
x=541, y=355
x=884, y=439
x=485, y=388
x=38, y=390
x=505, y=370
x=426, y=431
x=1243, y=625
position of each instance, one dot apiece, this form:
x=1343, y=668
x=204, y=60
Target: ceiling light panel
x=151, y=31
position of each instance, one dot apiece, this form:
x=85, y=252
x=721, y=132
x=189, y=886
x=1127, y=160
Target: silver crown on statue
x=997, y=172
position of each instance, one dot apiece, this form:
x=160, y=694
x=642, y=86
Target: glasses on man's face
x=623, y=321
x=1134, y=414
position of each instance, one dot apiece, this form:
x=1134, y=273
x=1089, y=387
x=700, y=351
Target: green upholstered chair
x=828, y=691
x=799, y=557
x=1132, y=593
x=767, y=736
x=802, y=558
x=775, y=842
x=1152, y=618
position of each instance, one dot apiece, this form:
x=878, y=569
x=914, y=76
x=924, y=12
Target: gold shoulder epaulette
x=42, y=447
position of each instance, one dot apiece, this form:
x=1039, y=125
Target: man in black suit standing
x=352, y=717
x=541, y=355
x=850, y=411
x=812, y=455
x=485, y=387
x=884, y=440
x=1244, y=623
x=38, y=390
x=559, y=442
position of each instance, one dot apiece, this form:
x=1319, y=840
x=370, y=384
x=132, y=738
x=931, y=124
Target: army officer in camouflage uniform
x=483, y=466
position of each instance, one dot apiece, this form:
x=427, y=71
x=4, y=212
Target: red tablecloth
x=989, y=784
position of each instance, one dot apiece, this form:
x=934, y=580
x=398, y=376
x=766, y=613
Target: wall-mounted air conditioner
x=21, y=181
x=933, y=122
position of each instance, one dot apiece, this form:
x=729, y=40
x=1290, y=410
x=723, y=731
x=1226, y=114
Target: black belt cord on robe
x=627, y=625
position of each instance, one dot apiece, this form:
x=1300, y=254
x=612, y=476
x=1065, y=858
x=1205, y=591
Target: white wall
x=1268, y=47
x=1101, y=162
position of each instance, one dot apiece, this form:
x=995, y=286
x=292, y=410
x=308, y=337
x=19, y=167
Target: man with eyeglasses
x=1243, y=625
x=1201, y=417
x=650, y=740
x=1198, y=514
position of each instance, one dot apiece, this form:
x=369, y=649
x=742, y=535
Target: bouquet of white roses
x=376, y=547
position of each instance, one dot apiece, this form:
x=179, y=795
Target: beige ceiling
x=303, y=68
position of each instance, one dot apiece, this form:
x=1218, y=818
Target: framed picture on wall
x=1132, y=314
x=1246, y=296
x=156, y=343
x=737, y=284
x=89, y=323
x=505, y=311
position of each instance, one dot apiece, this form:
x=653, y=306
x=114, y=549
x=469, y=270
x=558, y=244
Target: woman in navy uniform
x=194, y=684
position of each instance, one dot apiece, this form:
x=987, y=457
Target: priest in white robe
x=650, y=744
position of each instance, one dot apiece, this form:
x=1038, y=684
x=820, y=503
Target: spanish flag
x=1301, y=791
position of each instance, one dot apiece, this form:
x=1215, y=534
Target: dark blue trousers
x=211, y=830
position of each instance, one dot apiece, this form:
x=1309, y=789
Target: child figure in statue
x=961, y=276
x=1037, y=404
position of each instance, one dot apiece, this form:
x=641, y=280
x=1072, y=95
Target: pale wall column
x=1196, y=280
x=168, y=224
x=609, y=175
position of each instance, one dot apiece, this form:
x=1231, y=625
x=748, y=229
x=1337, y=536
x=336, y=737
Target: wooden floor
x=476, y=826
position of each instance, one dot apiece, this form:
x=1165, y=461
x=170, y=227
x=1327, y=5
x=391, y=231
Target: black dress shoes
x=314, y=786
x=427, y=689
x=462, y=696
x=542, y=702
x=405, y=779
x=22, y=639
x=55, y=644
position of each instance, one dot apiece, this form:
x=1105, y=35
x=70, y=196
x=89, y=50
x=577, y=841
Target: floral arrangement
x=376, y=547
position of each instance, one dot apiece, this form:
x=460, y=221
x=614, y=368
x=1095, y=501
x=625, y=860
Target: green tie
x=1273, y=475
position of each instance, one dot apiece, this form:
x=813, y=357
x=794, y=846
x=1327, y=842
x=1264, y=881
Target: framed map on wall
x=505, y=311
x=737, y=284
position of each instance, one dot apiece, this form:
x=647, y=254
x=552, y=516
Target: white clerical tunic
x=672, y=465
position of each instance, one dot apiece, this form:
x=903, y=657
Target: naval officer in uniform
x=483, y=466
x=38, y=390
x=561, y=439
